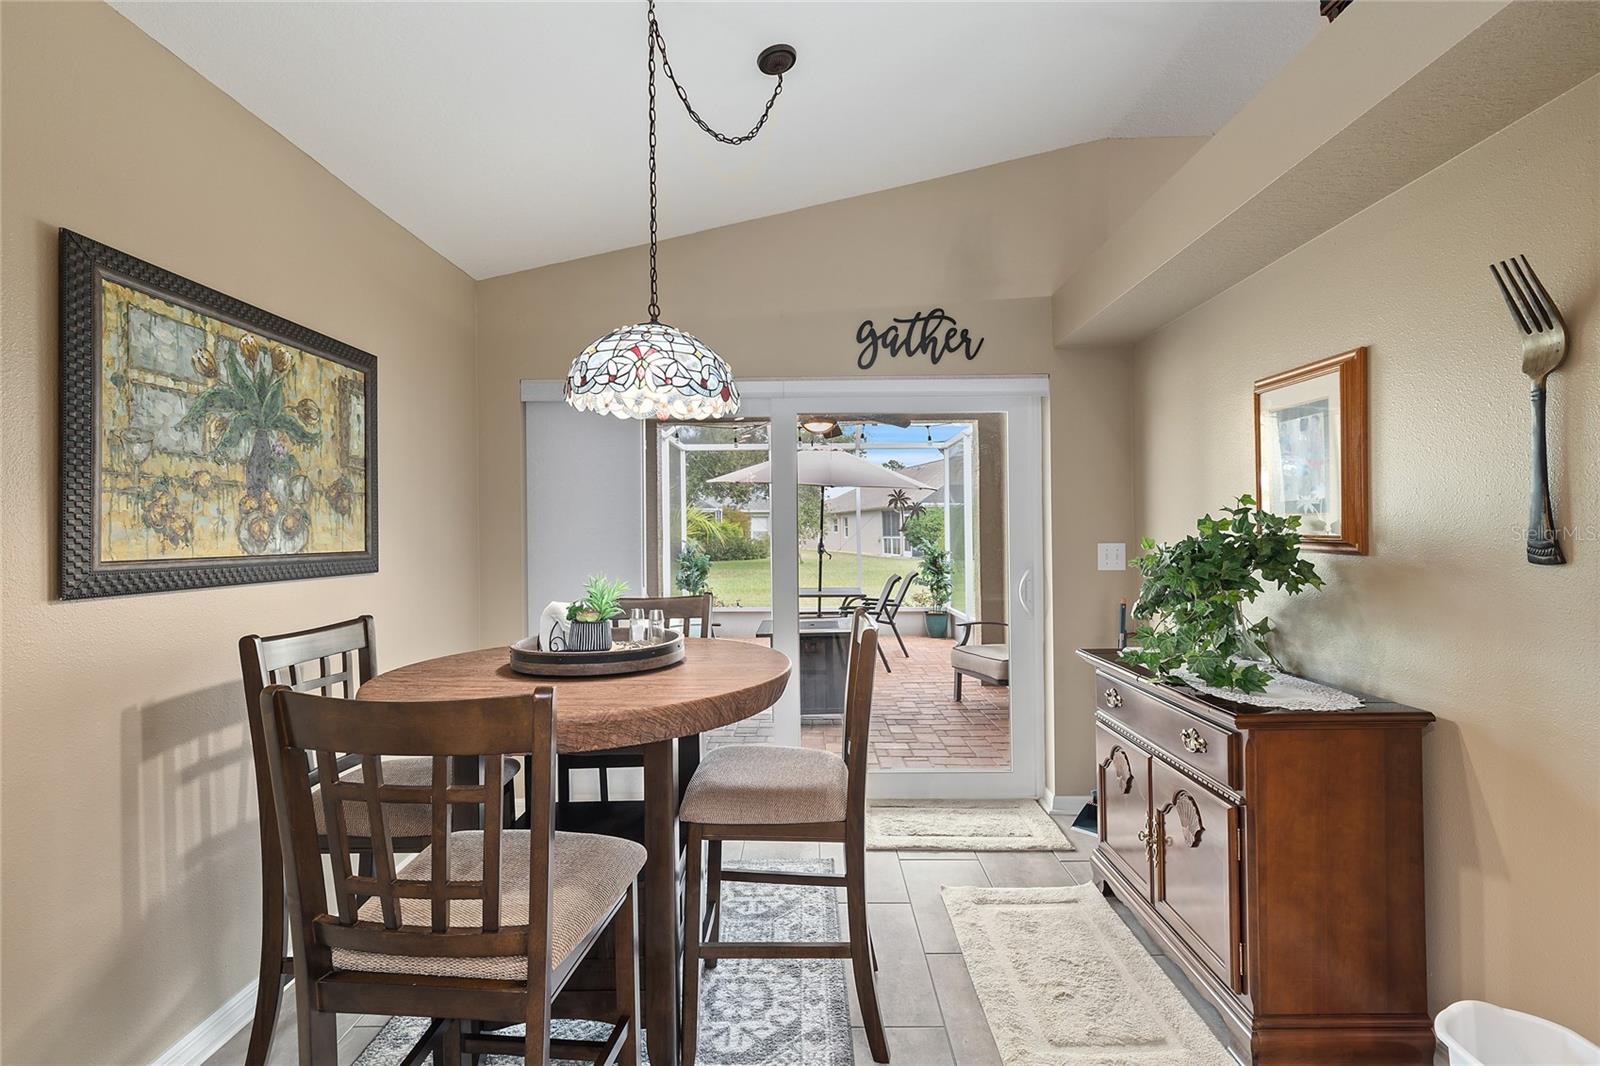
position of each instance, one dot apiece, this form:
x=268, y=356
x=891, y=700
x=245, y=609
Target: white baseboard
x=201, y=1042
x=1063, y=804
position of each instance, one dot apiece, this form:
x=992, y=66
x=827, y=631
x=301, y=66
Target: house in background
x=875, y=525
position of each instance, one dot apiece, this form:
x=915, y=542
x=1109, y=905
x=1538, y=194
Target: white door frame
x=1022, y=399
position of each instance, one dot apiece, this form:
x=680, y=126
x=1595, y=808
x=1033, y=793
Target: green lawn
x=748, y=582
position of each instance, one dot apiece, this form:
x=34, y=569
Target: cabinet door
x=1197, y=869
x=1124, y=780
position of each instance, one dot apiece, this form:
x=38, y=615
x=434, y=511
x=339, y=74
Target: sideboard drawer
x=1208, y=748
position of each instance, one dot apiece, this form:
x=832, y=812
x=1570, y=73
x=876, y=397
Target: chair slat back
x=679, y=611
x=889, y=606
x=431, y=917
x=334, y=660
x=888, y=592
x=860, y=671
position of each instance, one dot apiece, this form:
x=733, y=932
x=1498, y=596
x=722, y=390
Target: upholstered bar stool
x=333, y=660
x=772, y=792
x=479, y=931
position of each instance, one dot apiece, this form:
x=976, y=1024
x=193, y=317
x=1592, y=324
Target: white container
x=1482, y=1034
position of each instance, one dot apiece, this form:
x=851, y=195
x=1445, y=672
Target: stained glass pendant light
x=651, y=369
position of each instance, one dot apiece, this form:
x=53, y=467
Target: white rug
x=1064, y=983
x=963, y=825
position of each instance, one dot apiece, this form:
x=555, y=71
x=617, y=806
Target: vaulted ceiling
x=508, y=136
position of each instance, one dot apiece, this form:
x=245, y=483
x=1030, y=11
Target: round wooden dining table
x=719, y=682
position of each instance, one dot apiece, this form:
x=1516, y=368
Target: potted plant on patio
x=589, y=619
x=936, y=579
x=694, y=569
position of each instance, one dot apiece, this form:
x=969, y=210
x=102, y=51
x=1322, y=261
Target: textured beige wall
x=1444, y=613
x=782, y=297
x=130, y=906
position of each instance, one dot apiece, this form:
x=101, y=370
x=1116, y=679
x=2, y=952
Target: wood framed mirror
x=1311, y=450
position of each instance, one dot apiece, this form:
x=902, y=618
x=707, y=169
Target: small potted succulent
x=589, y=619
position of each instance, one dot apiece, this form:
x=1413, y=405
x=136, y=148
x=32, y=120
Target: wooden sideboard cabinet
x=1276, y=856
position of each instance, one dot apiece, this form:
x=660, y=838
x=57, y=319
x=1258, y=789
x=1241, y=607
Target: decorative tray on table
x=623, y=657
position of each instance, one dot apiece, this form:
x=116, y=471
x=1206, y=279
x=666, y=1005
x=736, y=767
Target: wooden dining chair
x=773, y=792
x=334, y=660
x=680, y=613
x=483, y=928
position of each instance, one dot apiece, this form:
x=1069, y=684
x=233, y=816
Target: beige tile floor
x=929, y=1006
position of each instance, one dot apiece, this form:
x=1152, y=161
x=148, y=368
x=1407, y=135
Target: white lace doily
x=1284, y=691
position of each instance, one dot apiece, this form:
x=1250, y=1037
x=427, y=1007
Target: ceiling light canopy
x=651, y=369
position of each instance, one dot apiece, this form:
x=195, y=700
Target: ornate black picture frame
x=204, y=441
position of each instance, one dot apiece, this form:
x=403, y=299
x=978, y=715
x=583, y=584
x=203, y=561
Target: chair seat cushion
x=766, y=784
x=992, y=661
x=589, y=873
x=401, y=819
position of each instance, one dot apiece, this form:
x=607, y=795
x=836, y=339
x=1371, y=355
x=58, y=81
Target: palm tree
x=249, y=398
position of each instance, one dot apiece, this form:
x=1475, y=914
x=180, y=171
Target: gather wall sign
x=934, y=334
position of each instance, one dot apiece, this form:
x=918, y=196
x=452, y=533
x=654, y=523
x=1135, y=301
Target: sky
x=875, y=432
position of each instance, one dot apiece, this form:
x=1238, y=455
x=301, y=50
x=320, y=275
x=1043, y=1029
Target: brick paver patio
x=916, y=722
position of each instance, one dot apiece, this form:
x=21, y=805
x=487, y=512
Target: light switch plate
x=1113, y=556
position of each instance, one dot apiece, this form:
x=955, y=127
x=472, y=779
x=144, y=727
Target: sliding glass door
x=931, y=492
x=923, y=501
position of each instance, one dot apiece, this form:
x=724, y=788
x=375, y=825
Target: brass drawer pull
x=1113, y=698
x=1193, y=740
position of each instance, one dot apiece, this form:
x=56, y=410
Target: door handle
x=1025, y=591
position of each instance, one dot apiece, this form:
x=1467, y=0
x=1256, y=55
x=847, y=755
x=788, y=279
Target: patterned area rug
x=783, y=1012
x=1064, y=983
x=963, y=825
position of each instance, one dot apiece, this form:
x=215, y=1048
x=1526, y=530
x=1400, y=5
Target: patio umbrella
x=829, y=468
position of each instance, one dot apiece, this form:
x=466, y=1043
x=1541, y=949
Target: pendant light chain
x=683, y=94
x=655, y=32
x=655, y=41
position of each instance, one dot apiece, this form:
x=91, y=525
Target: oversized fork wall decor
x=1544, y=343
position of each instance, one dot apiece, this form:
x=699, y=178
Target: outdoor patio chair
x=888, y=609
x=848, y=605
x=989, y=663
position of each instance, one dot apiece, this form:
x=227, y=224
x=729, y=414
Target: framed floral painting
x=1311, y=450
x=204, y=441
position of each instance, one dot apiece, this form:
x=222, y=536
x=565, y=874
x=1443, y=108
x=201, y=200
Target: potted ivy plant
x=1191, y=602
x=936, y=579
x=589, y=619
